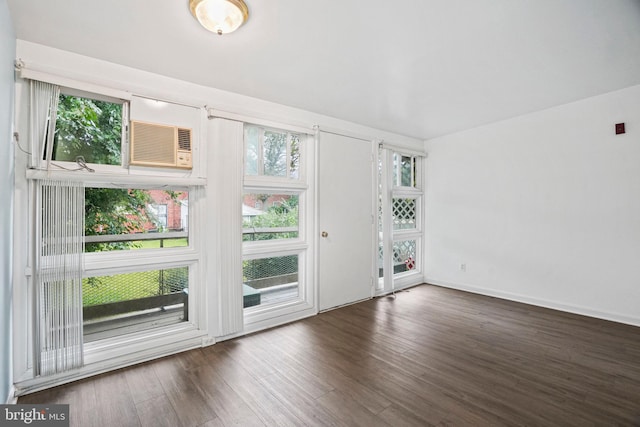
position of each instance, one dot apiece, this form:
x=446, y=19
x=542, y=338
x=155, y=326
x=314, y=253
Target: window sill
x=139, y=344
x=125, y=178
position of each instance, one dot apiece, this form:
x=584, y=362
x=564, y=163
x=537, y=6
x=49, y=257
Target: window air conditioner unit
x=160, y=145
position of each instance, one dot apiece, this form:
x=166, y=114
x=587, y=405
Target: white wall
x=543, y=208
x=7, y=56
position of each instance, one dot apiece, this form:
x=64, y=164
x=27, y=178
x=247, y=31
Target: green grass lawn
x=123, y=287
x=167, y=243
x=128, y=286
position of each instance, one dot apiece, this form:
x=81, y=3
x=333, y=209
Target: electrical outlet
x=463, y=267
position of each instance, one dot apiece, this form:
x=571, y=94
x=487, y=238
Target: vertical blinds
x=43, y=104
x=59, y=341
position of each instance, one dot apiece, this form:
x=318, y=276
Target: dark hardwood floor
x=430, y=356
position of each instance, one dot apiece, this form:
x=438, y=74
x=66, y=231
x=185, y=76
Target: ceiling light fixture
x=220, y=16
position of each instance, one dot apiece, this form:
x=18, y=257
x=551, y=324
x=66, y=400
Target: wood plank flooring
x=429, y=356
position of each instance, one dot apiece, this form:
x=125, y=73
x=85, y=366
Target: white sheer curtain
x=43, y=104
x=58, y=278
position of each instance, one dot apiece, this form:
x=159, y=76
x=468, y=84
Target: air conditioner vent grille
x=184, y=139
x=160, y=146
x=153, y=143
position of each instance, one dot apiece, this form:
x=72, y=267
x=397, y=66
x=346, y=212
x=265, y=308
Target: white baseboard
x=12, y=399
x=583, y=311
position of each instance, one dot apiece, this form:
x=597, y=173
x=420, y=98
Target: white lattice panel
x=404, y=214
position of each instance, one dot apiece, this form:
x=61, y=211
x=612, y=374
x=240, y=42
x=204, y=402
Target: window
x=404, y=213
x=122, y=294
x=115, y=269
x=404, y=256
x=88, y=128
x=399, y=225
x=271, y=152
x=120, y=303
x=124, y=219
x=268, y=216
x=404, y=171
x=147, y=220
x=274, y=209
x=270, y=280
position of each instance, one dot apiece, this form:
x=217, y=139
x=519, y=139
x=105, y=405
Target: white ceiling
x=420, y=68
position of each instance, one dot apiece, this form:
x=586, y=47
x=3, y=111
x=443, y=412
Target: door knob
x=324, y=234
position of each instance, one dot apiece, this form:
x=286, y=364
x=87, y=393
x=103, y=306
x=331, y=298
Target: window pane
x=271, y=152
x=121, y=219
x=270, y=216
x=124, y=303
x=404, y=256
x=252, y=141
x=404, y=214
x=88, y=128
x=270, y=280
x=294, y=164
x=275, y=153
x=406, y=170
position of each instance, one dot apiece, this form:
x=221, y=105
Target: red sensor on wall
x=619, y=128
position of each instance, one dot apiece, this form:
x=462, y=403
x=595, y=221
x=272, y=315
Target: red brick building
x=171, y=213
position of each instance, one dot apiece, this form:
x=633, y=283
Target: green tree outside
x=88, y=128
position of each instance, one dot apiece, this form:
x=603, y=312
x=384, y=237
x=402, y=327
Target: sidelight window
x=399, y=218
x=274, y=215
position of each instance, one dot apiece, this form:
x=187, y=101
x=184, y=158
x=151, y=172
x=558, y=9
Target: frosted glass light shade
x=220, y=16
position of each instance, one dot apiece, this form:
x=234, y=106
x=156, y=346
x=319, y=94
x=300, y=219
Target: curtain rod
x=403, y=150
x=29, y=74
x=214, y=113
x=345, y=134
x=84, y=86
x=131, y=180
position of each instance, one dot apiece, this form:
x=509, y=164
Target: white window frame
x=124, y=139
x=262, y=316
x=136, y=346
x=260, y=160
x=125, y=261
x=394, y=190
x=415, y=174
